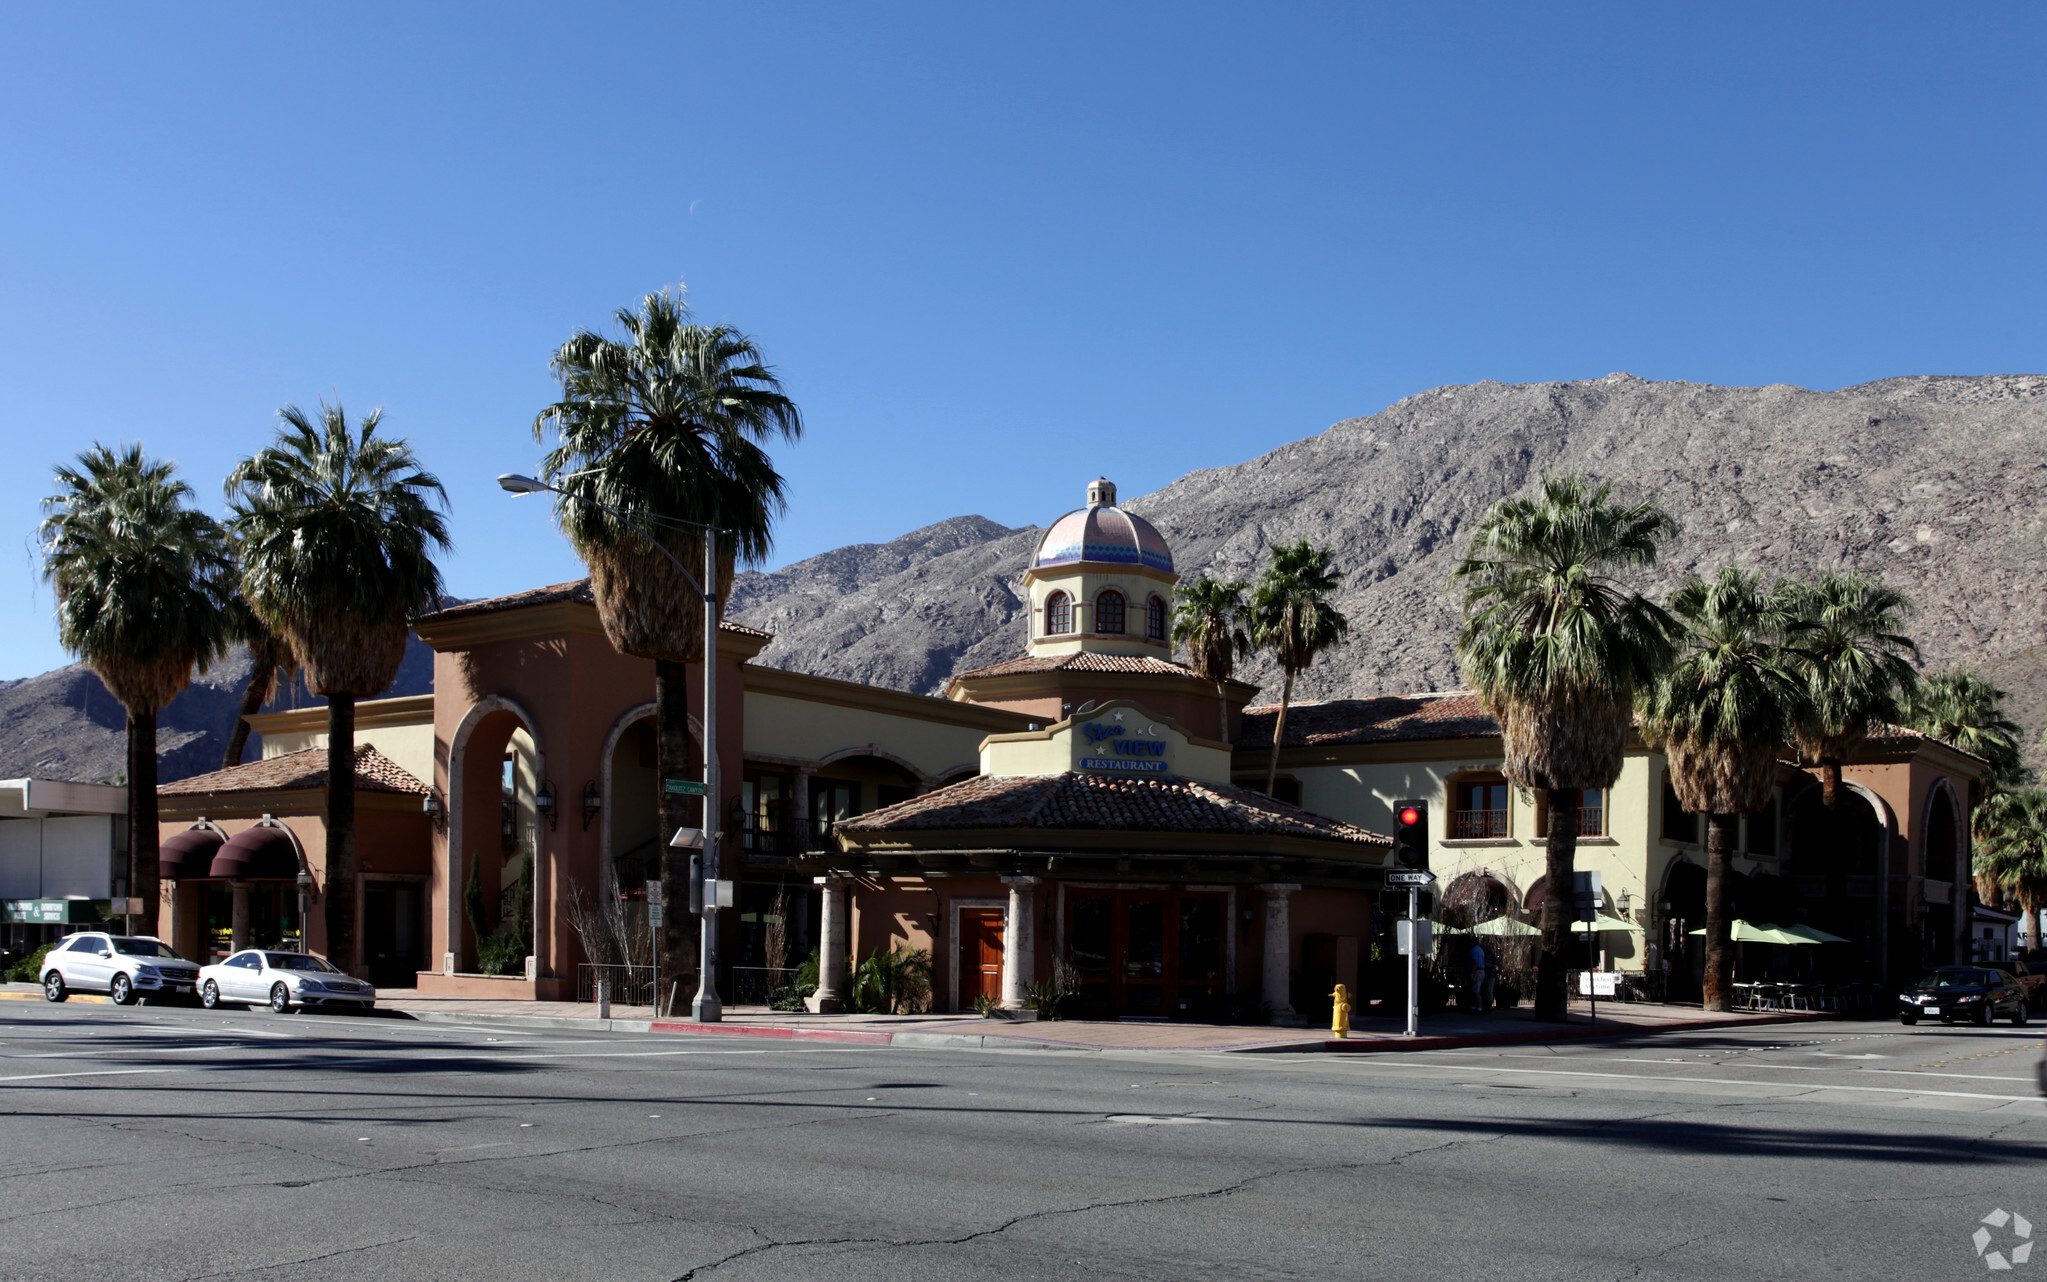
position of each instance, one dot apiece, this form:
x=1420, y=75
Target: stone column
x=1019, y=942
x=831, y=948
x=799, y=811
x=1279, y=956
x=240, y=918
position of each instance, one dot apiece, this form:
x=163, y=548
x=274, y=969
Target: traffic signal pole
x=1414, y=959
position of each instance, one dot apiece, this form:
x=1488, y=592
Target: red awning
x=187, y=853
x=265, y=853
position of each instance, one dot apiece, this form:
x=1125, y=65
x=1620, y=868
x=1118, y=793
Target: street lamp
x=705, y=1006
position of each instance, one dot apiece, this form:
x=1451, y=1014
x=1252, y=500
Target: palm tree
x=664, y=426
x=1557, y=650
x=140, y=577
x=1206, y=619
x=2011, y=852
x=1966, y=711
x=1291, y=616
x=336, y=532
x=269, y=657
x=1855, y=663
x=1723, y=715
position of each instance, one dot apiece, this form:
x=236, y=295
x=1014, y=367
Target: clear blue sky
x=993, y=250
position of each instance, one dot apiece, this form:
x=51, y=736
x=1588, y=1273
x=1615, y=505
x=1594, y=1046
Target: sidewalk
x=1449, y=1030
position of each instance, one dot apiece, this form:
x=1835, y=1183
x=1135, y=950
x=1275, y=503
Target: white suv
x=124, y=967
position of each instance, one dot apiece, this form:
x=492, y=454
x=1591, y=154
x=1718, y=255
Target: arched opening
x=1155, y=617
x=497, y=843
x=1109, y=610
x=1058, y=614
x=1832, y=860
x=1937, y=889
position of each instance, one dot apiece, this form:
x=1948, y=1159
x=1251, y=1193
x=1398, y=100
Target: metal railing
x=1478, y=823
x=630, y=985
x=758, y=985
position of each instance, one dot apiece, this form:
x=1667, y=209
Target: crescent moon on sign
x=1151, y=730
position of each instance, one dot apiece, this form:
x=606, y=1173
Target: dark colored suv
x=1978, y=994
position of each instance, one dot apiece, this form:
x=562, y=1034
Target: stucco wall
x=784, y=726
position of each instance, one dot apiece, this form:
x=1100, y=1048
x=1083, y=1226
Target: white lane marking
x=1143, y=1119
x=265, y=1064
x=1920, y=1072
x=1705, y=1081
x=1789, y=1068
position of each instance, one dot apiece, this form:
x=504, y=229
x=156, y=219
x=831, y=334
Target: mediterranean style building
x=1089, y=809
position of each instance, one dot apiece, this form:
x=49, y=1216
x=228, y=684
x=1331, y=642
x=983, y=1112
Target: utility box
x=1403, y=936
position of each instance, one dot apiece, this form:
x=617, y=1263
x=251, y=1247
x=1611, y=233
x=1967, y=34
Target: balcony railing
x=1478, y=823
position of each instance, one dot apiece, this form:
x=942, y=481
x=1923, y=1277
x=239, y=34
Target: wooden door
x=980, y=955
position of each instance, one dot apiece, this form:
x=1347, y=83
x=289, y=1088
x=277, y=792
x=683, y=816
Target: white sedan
x=282, y=980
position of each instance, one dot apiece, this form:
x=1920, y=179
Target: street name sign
x=684, y=787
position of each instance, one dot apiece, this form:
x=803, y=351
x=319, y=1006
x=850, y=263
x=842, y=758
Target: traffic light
x=1411, y=834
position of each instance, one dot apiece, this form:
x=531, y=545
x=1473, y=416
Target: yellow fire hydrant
x=1339, y=1011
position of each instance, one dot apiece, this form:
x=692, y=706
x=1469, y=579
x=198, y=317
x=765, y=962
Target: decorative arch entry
x=490, y=721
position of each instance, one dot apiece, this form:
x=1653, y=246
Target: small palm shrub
x=897, y=982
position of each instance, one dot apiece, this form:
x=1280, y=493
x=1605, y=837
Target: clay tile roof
x=1106, y=803
x=577, y=593
x=1083, y=663
x=1386, y=719
x=294, y=771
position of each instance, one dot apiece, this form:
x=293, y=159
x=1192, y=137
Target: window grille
x=1109, y=612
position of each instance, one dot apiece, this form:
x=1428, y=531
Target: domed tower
x=1101, y=590
x=1101, y=582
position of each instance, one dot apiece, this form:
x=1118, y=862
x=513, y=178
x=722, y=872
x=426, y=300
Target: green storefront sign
x=49, y=912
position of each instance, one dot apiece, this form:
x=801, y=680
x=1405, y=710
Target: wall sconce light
x=432, y=804
x=543, y=801
x=593, y=801
x=1624, y=901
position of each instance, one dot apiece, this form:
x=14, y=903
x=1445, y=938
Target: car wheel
x=280, y=998
x=120, y=990
x=1908, y=1020
x=209, y=995
x=53, y=987
x=1983, y=1015
x=2018, y=1015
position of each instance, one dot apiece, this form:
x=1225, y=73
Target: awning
x=1743, y=933
x=187, y=854
x=261, y=853
x=1605, y=923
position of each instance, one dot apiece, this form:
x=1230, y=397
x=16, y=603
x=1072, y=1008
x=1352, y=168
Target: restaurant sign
x=1114, y=747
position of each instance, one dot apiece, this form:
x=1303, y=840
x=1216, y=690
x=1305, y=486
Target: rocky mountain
x=64, y=724
x=1938, y=484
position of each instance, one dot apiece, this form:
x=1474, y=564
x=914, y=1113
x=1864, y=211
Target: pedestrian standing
x=1481, y=979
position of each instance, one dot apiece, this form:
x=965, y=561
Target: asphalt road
x=144, y=1143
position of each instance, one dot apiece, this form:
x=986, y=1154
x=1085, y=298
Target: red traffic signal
x=1410, y=816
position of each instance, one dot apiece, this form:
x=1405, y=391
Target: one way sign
x=1410, y=877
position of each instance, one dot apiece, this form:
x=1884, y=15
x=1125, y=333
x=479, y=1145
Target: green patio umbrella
x=1744, y=933
x=1504, y=926
x=1603, y=923
x=1810, y=935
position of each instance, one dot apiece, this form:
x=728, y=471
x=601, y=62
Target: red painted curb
x=779, y=1034
x=1550, y=1035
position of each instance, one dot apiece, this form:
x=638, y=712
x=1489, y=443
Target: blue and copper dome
x=1103, y=532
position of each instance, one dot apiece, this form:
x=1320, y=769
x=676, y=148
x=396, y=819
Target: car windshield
x=145, y=948
x=1955, y=979
x=298, y=961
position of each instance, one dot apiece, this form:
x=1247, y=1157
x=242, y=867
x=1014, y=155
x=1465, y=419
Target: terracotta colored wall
x=575, y=687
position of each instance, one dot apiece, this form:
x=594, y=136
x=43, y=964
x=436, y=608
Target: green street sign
x=687, y=787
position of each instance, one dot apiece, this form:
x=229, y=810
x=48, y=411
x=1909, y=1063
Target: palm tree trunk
x=262, y=681
x=1830, y=781
x=674, y=946
x=1552, y=995
x=1286, y=696
x=342, y=946
x=1222, y=713
x=1719, y=981
x=142, y=835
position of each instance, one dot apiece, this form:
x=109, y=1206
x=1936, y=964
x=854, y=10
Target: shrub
x=29, y=970
x=892, y=983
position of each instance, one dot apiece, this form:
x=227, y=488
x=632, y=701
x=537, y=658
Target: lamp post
x=705, y=1006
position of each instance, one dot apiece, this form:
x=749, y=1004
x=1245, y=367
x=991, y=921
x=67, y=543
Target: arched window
x=1058, y=614
x=1109, y=611
x=1155, y=618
